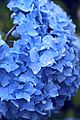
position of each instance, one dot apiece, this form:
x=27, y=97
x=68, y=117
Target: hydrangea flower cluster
x=41, y=70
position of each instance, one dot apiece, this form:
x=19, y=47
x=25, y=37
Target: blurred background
x=72, y=7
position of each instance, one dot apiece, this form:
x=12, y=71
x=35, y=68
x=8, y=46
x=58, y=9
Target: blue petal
x=34, y=55
x=19, y=18
x=48, y=105
x=4, y=78
x=47, y=59
x=35, y=67
x=28, y=106
x=3, y=108
x=20, y=94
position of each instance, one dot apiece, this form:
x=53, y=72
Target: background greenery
x=72, y=7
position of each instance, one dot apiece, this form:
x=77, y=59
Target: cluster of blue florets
x=41, y=70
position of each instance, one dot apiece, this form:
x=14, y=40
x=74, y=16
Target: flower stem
x=10, y=31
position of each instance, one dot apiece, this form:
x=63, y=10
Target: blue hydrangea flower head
x=42, y=69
